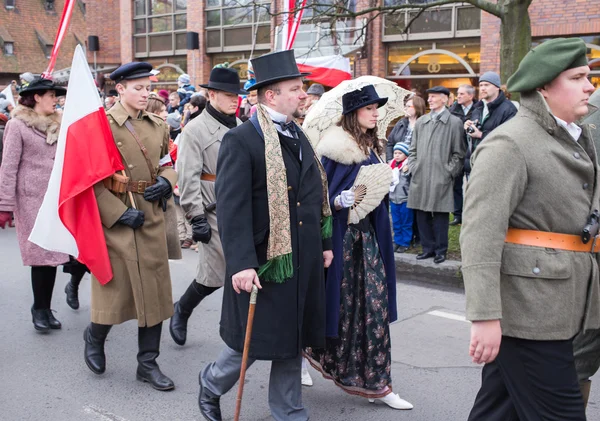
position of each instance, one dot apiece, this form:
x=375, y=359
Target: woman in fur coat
x=28, y=156
x=361, y=281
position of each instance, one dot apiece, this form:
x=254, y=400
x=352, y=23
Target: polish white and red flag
x=328, y=70
x=69, y=220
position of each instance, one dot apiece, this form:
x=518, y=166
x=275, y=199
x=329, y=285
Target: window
x=45, y=42
x=49, y=5
x=9, y=4
x=444, y=22
x=159, y=27
x=233, y=25
x=9, y=49
x=81, y=6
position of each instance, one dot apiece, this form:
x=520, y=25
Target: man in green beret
x=531, y=276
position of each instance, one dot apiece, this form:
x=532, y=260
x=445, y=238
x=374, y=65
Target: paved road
x=43, y=377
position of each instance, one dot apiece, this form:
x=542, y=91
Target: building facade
x=448, y=45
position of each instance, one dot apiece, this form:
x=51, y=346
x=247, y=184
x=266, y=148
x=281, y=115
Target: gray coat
x=531, y=175
x=198, y=151
x=435, y=159
x=593, y=118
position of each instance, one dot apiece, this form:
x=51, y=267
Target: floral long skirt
x=359, y=360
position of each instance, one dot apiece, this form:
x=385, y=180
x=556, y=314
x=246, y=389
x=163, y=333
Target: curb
x=447, y=273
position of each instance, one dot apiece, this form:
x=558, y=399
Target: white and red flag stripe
x=69, y=220
x=328, y=70
x=63, y=26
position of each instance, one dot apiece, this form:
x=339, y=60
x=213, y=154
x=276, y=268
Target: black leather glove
x=201, y=229
x=157, y=191
x=133, y=218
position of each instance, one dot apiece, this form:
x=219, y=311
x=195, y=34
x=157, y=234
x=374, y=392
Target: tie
x=291, y=127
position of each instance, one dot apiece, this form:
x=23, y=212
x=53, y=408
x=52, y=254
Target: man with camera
x=530, y=264
x=492, y=110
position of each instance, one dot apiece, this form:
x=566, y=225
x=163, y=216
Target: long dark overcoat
x=342, y=159
x=288, y=315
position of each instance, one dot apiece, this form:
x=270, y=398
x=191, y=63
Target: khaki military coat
x=531, y=174
x=198, y=152
x=141, y=286
x=435, y=159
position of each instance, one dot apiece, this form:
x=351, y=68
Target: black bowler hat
x=133, y=70
x=354, y=100
x=275, y=67
x=225, y=79
x=41, y=84
x=438, y=90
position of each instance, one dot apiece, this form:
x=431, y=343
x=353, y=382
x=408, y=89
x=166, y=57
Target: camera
x=470, y=129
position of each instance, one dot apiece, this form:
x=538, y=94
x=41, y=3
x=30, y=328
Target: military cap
x=545, y=62
x=438, y=90
x=133, y=70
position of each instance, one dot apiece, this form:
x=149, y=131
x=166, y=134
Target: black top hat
x=359, y=98
x=133, y=70
x=41, y=84
x=224, y=79
x=275, y=67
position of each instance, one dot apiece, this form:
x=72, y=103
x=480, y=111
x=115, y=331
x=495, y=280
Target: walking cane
x=238, y=404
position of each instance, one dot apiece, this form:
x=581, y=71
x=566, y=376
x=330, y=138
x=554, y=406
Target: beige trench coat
x=198, y=152
x=531, y=174
x=141, y=286
x=435, y=159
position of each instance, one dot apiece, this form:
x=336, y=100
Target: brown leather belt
x=139, y=186
x=551, y=240
x=208, y=177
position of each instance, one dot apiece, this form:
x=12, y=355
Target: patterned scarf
x=279, y=266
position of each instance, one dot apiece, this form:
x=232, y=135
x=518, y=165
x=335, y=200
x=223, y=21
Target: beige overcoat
x=198, y=152
x=531, y=174
x=141, y=287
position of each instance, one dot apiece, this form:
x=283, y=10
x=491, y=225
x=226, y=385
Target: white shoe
x=306, y=379
x=394, y=401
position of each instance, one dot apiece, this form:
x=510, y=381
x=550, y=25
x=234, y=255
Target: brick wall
x=102, y=20
x=574, y=17
x=126, y=31
x=199, y=58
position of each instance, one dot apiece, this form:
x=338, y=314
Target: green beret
x=545, y=62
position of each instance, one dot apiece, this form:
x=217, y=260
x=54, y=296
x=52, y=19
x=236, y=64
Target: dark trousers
x=433, y=229
x=42, y=284
x=458, y=197
x=530, y=381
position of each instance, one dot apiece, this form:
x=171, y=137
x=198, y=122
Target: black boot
x=148, y=370
x=40, y=320
x=94, y=337
x=54, y=324
x=183, y=310
x=72, y=291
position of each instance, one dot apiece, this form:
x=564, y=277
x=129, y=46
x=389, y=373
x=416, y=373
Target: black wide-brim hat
x=225, y=79
x=359, y=98
x=275, y=67
x=41, y=84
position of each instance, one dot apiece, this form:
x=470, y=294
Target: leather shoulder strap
x=129, y=127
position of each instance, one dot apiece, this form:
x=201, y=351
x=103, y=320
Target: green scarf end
x=278, y=269
x=327, y=227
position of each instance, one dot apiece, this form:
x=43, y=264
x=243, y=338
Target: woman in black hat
x=361, y=281
x=29, y=148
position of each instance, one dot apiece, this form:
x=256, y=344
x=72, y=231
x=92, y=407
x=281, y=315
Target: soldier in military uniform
x=531, y=278
x=197, y=167
x=134, y=230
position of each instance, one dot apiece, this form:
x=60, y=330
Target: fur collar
x=49, y=125
x=337, y=144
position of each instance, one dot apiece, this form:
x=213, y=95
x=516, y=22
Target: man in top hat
x=134, y=230
x=531, y=276
x=279, y=241
x=197, y=167
x=436, y=158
